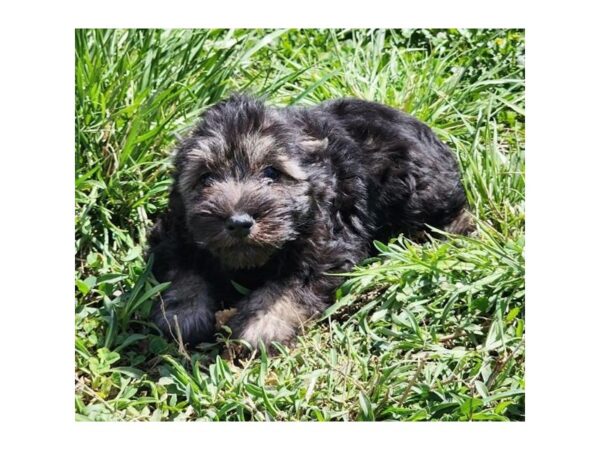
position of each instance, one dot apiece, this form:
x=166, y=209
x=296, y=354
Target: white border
x=38, y=215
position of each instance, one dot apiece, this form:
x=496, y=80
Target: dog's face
x=243, y=184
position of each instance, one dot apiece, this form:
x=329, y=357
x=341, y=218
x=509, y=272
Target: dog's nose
x=239, y=225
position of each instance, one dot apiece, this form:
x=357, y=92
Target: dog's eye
x=272, y=173
x=205, y=179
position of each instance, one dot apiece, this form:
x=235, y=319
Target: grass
x=419, y=332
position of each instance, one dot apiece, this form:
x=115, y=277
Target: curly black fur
x=275, y=198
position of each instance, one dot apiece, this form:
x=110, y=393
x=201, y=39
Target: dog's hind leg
x=462, y=224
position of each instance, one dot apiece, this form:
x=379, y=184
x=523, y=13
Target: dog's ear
x=314, y=145
x=172, y=221
x=176, y=209
x=185, y=147
x=169, y=240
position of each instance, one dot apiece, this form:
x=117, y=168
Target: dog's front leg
x=186, y=310
x=275, y=313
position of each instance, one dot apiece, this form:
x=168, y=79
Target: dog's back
x=413, y=177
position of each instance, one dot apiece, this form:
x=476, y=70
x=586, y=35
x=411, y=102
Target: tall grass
x=420, y=332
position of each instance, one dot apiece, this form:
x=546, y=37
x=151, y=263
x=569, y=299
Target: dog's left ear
x=314, y=145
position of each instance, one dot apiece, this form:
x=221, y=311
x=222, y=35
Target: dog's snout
x=239, y=224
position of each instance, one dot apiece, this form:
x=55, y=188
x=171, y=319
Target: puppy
x=279, y=199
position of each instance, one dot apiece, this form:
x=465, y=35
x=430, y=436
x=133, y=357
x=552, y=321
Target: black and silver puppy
x=278, y=199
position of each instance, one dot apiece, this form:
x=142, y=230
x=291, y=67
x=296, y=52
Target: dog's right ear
x=176, y=202
x=182, y=150
x=168, y=238
x=172, y=221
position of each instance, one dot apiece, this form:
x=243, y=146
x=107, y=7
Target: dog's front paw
x=267, y=332
x=279, y=323
x=248, y=340
x=188, y=320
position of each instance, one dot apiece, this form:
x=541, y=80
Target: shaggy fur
x=276, y=198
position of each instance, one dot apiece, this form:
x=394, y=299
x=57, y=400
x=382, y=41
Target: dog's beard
x=243, y=256
x=267, y=238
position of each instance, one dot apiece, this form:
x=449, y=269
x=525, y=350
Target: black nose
x=239, y=225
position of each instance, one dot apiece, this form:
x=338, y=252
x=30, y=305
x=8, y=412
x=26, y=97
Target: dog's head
x=244, y=182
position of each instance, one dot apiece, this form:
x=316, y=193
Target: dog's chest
x=233, y=286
